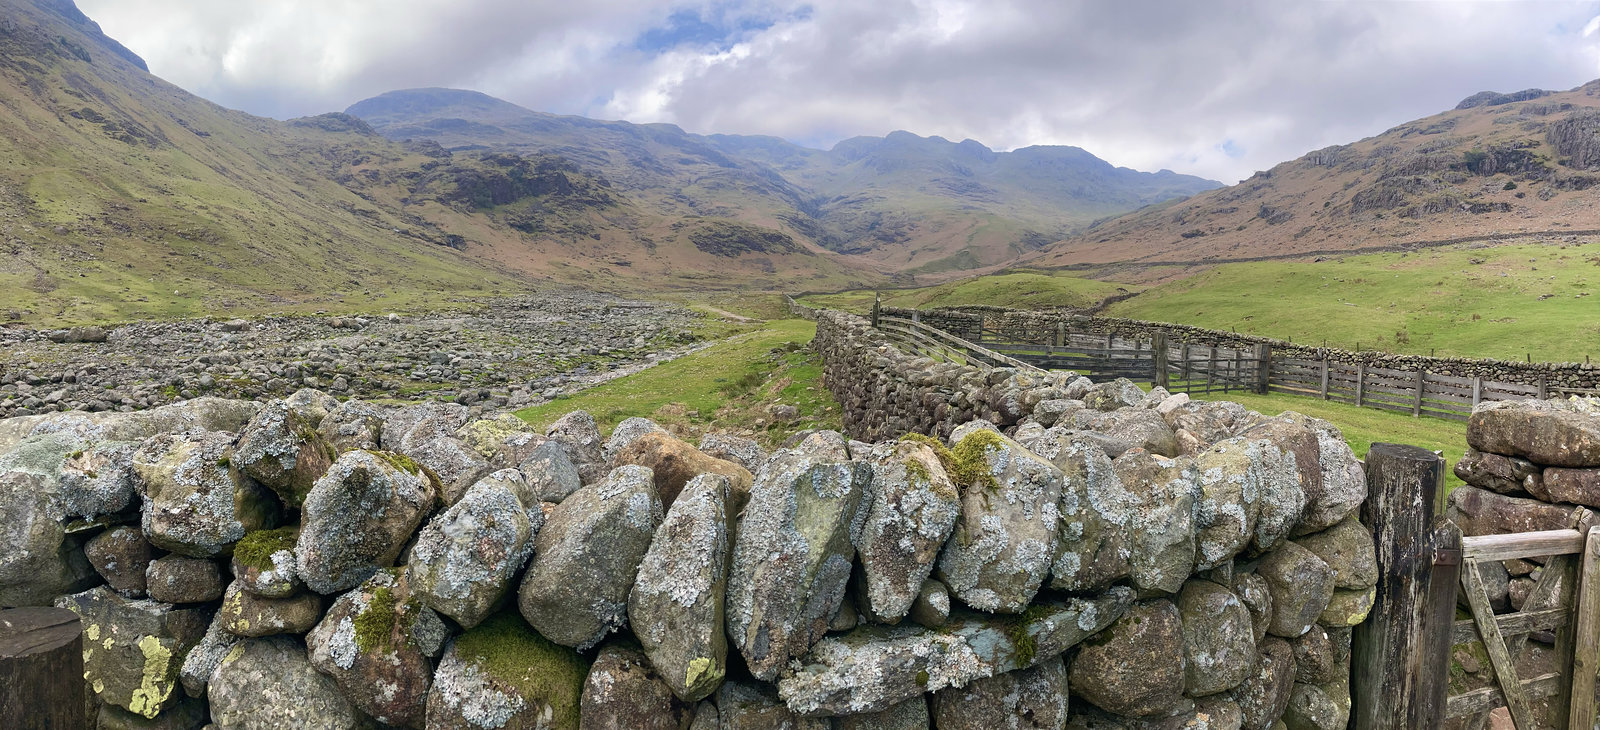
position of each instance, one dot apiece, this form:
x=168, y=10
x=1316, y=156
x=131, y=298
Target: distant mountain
x=1498, y=165
x=124, y=196
x=898, y=203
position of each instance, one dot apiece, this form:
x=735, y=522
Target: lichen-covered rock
x=1219, y=647
x=624, y=691
x=586, y=558
x=121, y=556
x=1548, y=432
x=676, y=605
x=185, y=714
x=282, y=448
x=875, y=667
x=1264, y=695
x=1095, y=507
x=502, y=440
x=456, y=466
x=742, y=451
x=753, y=706
x=1231, y=476
x=181, y=579
x=1005, y=539
x=199, y=414
x=353, y=426
x=1503, y=474
x=502, y=674
x=793, y=551
x=246, y=614
x=1301, y=586
x=202, y=660
x=1574, y=486
x=1281, y=497
x=1482, y=512
x=1139, y=428
x=375, y=642
x=1343, y=483
x=911, y=511
x=412, y=426
x=1024, y=699
x=1316, y=660
x=909, y=715
x=1111, y=395
x=580, y=437
x=195, y=502
x=464, y=560
x=550, y=473
x=1348, y=608
x=1136, y=667
x=266, y=684
x=1161, y=526
x=1348, y=550
x=674, y=462
x=264, y=562
x=932, y=607
x=624, y=434
x=98, y=480
x=1318, y=706
x=132, y=649
x=705, y=717
x=359, y=516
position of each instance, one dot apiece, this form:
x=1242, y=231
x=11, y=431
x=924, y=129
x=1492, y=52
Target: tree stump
x=41, y=669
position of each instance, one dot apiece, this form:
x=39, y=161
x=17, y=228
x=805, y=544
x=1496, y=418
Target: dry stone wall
x=1058, y=554
x=1042, y=325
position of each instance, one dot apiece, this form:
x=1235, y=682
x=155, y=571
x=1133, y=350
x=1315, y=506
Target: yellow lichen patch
x=92, y=631
x=99, y=686
x=234, y=653
x=155, y=683
x=700, y=668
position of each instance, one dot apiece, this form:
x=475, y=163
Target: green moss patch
x=399, y=461
x=255, y=549
x=542, y=672
x=967, y=463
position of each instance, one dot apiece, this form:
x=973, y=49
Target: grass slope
x=727, y=387
x=1016, y=289
x=1505, y=302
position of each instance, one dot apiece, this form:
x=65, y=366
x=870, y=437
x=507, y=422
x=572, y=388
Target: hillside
x=123, y=196
x=895, y=204
x=1498, y=165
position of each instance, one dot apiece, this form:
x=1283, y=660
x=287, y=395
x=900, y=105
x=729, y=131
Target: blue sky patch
x=719, y=26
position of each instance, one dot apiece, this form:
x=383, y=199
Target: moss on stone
x=1018, y=631
x=514, y=655
x=967, y=463
x=399, y=461
x=375, y=625
x=255, y=549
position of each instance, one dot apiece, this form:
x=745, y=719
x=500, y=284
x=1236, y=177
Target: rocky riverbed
x=503, y=354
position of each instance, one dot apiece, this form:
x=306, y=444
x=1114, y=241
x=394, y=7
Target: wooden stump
x=41, y=669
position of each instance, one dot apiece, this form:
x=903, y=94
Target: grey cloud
x=1147, y=84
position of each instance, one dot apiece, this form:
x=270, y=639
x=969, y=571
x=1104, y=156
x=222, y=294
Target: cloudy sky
x=1218, y=88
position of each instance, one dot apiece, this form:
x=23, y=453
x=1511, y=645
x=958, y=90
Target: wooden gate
x=1566, y=600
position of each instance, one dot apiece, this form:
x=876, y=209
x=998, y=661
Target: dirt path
x=728, y=314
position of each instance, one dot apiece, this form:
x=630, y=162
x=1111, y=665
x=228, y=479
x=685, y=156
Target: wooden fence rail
x=1202, y=369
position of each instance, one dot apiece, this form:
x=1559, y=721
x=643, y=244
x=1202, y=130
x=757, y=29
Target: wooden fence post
x=1324, y=378
x=1477, y=391
x=1158, y=345
x=1586, y=638
x=1061, y=333
x=41, y=669
x=1400, y=664
x=1416, y=406
x=1185, y=356
x=1361, y=384
x=1263, y=367
x=877, y=309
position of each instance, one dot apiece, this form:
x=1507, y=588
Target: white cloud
x=1144, y=84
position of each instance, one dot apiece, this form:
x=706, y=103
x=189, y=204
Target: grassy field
x=727, y=386
x=1017, y=289
x=1505, y=302
x=1364, y=426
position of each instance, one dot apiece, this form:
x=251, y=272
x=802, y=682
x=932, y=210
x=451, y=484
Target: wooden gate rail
x=974, y=354
x=1550, y=606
